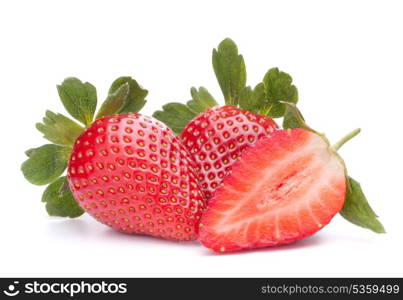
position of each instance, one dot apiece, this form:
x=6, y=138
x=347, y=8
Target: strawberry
x=284, y=188
x=126, y=170
x=217, y=137
x=133, y=174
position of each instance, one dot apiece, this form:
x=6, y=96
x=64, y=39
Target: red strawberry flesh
x=284, y=188
x=216, y=139
x=133, y=174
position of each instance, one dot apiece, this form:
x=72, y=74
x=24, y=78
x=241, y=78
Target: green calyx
x=293, y=118
x=357, y=210
x=59, y=129
x=60, y=201
x=46, y=164
x=136, y=95
x=176, y=115
x=229, y=67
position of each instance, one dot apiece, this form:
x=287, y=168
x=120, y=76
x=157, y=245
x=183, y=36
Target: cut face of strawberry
x=284, y=188
x=133, y=174
x=216, y=139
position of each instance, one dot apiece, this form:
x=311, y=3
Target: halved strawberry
x=216, y=139
x=284, y=188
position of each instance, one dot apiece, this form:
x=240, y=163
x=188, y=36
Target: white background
x=345, y=58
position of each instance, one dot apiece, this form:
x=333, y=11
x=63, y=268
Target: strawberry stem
x=346, y=139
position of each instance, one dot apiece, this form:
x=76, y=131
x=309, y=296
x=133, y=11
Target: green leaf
x=177, y=115
x=45, y=164
x=201, y=100
x=278, y=87
x=245, y=99
x=290, y=121
x=252, y=100
x=59, y=129
x=114, y=102
x=357, y=210
x=136, y=98
x=79, y=99
x=293, y=117
x=29, y=152
x=229, y=68
x=59, y=200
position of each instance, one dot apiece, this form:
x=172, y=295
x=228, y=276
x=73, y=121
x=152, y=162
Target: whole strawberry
x=217, y=138
x=133, y=174
x=127, y=170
